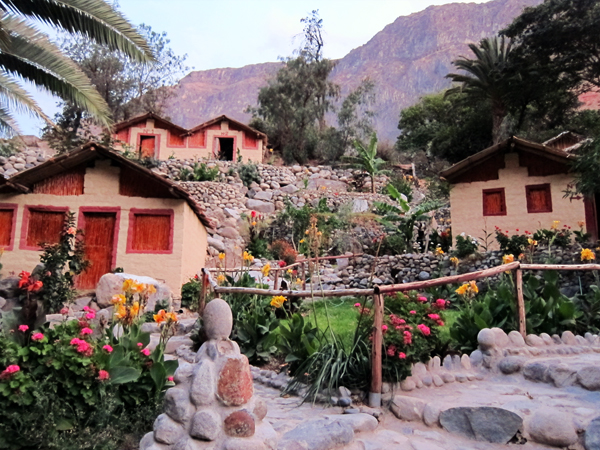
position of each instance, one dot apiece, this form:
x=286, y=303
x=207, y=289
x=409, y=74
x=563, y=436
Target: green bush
x=547, y=310
x=512, y=245
x=190, y=293
x=465, y=246
x=199, y=172
x=297, y=340
x=69, y=387
x=248, y=173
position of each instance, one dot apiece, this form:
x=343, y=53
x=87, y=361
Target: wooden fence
x=378, y=301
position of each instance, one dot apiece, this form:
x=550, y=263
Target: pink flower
x=139, y=344
x=384, y=328
x=87, y=308
x=433, y=316
x=64, y=311
x=422, y=299
x=407, y=338
x=391, y=350
x=357, y=305
x=103, y=375
x=108, y=348
x=170, y=379
x=440, y=323
x=12, y=368
x=72, y=231
x=424, y=329
x=402, y=355
x=412, y=312
x=86, y=330
x=440, y=303
x=37, y=336
x=82, y=346
x=23, y=328
x=402, y=321
x=145, y=352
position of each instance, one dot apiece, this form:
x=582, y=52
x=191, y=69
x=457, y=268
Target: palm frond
x=95, y=19
x=33, y=57
x=17, y=98
x=8, y=125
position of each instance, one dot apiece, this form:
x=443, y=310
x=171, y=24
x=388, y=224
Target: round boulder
x=218, y=320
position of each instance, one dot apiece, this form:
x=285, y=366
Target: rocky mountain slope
x=407, y=59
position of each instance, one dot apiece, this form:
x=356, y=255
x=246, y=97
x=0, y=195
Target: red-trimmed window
x=494, y=203
x=43, y=226
x=539, y=198
x=175, y=140
x=8, y=216
x=150, y=231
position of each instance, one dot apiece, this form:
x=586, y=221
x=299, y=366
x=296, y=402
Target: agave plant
x=26, y=53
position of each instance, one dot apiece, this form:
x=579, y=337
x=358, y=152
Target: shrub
x=442, y=240
x=283, y=250
x=554, y=236
x=72, y=387
x=548, y=311
x=190, y=292
x=62, y=263
x=297, y=340
x=248, y=173
x=257, y=228
x=465, y=246
x=512, y=245
x=403, y=184
x=393, y=244
x=199, y=172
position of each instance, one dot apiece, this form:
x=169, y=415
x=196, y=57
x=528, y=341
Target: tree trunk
x=498, y=115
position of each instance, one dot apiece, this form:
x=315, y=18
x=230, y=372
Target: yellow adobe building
x=131, y=218
x=518, y=186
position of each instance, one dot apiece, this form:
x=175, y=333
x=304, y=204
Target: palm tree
x=26, y=53
x=367, y=160
x=485, y=78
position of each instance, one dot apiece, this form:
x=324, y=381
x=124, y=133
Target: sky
x=235, y=33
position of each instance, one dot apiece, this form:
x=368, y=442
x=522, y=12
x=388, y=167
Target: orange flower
x=160, y=317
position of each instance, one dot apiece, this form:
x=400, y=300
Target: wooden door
x=147, y=146
x=99, y=232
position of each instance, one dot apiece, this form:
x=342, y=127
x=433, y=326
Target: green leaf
x=159, y=376
x=122, y=375
x=64, y=424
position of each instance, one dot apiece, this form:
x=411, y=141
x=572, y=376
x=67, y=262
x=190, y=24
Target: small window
x=44, y=227
x=494, y=203
x=151, y=231
x=539, y=198
x=7, y=223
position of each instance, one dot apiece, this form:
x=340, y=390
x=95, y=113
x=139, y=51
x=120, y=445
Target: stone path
x=286, y=413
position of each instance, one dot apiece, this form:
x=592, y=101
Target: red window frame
x=487, y=192
x=26, y=217
x=538, y=187
x=11, y=207
x=154, y=212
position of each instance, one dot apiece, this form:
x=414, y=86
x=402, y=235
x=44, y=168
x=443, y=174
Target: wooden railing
x=378, y=301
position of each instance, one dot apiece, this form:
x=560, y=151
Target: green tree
x=445, y=126
x=562, y=39
x=128, y=87
x=293, y=105
x=27, y=54
x=486, y=78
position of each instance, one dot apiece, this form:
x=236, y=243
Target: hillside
x=407, y=59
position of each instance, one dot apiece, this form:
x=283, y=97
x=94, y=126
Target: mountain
x=407, y=59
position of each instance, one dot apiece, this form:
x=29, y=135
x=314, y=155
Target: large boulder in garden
x=112, y=283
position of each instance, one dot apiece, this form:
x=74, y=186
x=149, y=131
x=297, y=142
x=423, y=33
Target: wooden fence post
x=276, y=279
x=203, y=289
x=521, y=303
x=376, y=375
x=303, y=276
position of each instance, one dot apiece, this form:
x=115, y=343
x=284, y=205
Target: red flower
x=253, y=214
x=103, y=375
x=281, y=263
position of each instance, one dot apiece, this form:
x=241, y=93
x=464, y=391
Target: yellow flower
x=246, y=256
x=151, y=289
x=221, y=256
x=455, y=261
x=138, y=288
x=121, y=312
x=221, y=278
x=171, y=317
x=128, y=284
x=160, y=316
x=302, y=241
x=323, y=187
x=266, y=270
x=506, y=259
x=532, y=242
x=468, y=289
x=135, y=309
x=473, y=287
x=298, y=280
x=555, y=224
x=587, y=254
x=462, y=290
x=277, y=301
x=289, y=271
x=319, y=233
x=117, y=299
x=439, y=251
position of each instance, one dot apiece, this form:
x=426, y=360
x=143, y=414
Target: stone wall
x=11, y=165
